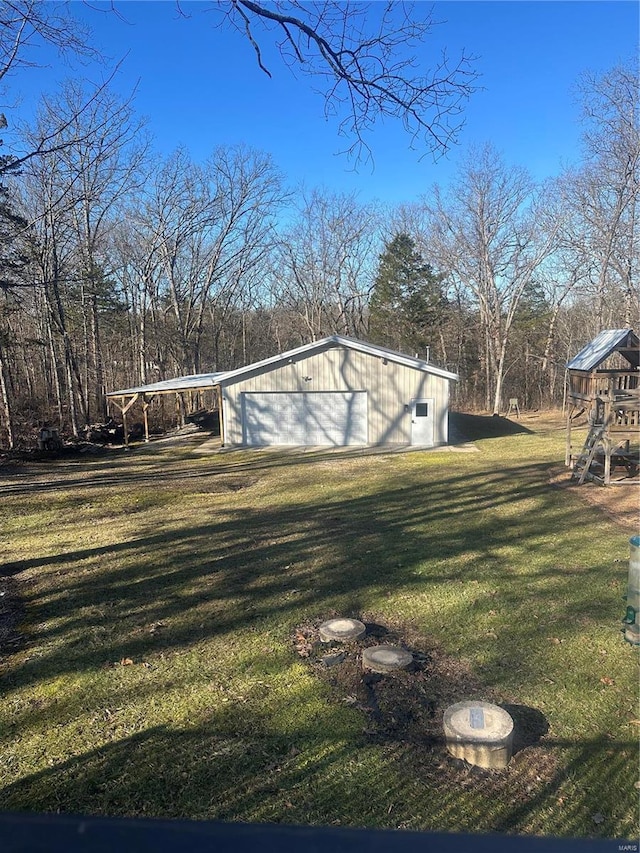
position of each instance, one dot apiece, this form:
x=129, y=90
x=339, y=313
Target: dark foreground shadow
x=211, y=771
x=103, y=835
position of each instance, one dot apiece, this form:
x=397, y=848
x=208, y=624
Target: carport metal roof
x=194, y=382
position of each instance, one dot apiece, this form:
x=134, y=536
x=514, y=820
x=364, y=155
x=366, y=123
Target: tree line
x=118, y=268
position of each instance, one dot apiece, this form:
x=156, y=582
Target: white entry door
x=422, y=422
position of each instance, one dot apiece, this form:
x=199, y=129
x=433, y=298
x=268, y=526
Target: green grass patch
x=160, y=593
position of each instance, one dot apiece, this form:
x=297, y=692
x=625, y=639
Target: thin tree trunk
x=101, y=403
x=87, y=352
x=245, y=359
x=73, y=415
x=141, y=345
x=6, y=402
x=71, y=364
x=55, y=367
x=497, y=399
x=487, y=368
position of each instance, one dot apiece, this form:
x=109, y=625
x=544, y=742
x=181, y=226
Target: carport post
x=124, y=422
x=145, y=408
x=125, y=409
x=219, y=389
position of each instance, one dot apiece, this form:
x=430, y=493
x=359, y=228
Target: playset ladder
x=584, y=461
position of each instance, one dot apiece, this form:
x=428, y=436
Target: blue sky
x=200, y=86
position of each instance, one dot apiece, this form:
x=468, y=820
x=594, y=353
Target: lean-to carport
x=126, y=398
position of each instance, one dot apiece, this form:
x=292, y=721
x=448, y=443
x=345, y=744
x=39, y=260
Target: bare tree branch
x=24, y=23
x=25, y=26
x=366, y=66
x=57, y=138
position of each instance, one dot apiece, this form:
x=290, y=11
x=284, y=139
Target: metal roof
x=180, y=383
x=602, y=346
x=208, y=380
x=329, y=343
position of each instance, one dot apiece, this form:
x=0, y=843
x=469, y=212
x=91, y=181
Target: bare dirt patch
x=403, y=712
x=619, y=503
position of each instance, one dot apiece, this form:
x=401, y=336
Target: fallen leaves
x=303, y=644
x=608, y=682
x=126, y=662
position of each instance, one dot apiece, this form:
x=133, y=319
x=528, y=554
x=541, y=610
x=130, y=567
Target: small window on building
x=422, y=410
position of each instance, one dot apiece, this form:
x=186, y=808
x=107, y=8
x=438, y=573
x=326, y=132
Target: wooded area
x=119, y=268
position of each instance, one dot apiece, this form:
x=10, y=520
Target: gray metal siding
x=390, y=387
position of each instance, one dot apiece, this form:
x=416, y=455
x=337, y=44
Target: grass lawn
x=162, y=603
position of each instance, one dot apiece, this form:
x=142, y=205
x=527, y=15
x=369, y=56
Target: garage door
x=305, y=418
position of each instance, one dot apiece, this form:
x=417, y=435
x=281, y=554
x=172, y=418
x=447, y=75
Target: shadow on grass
x=480, y=543
x=216, y=771
x=141, y=467
x=287, y=564
x=529, y=725
x=465, y=427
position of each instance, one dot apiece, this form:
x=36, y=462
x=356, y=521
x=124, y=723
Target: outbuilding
x=604, y=386
x=336, y=392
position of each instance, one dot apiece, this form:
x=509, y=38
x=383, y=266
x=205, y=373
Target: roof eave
x=329, y=342
x=230, y=377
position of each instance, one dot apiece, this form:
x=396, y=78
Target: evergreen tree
x=407, y=304
x=14, y=259
x=14, y=263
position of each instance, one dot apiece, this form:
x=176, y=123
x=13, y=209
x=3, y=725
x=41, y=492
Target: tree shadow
x=204, y=580
x=333, y=775
x=466, y=427
x=171, y=587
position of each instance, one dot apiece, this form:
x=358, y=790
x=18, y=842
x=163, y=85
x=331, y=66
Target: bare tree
x=366, y=61
x=602, y=194
x=69, y=195
x=326, y=261
x=25, y=26
x=101, y=151
x=137, y=266
x=54, y=272
x=485, y=235
x=15, y=257
x=28, y=23
x=205, y=229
